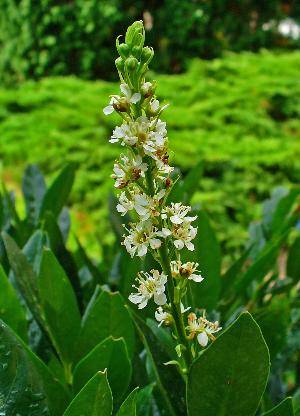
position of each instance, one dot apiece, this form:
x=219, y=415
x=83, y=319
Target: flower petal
x=202, y=338
x=108, y=110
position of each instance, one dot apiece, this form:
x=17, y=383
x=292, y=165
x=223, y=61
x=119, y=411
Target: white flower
x=122, y=101
x=187, y=270
x=161, y=316
x=202, y=329
x=178, y=213
x=147, y=206
x=141, y=236
x=183, y=235
x=124, y=204
x=110, y=107
x=131, y=97
x=150, y=285
x=146, y=88
x=149, y=135
x=124, y=134
x=154, y=105
x=128, y=170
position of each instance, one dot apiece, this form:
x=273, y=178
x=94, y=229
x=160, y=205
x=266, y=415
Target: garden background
x=229, y=69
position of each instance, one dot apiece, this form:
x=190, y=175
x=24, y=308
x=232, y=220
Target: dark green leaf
x=208, y=254
x=110, y=354
x=108, y=316
x=59, y=306
x=62, y=254
x=283, y=209
x=94, y=399
x=128, y=408
x=26, y=385
x=56, y=196
x=11, y=311
x=285, y=408
x=270, y=206
x=144, y=401
x=25, y=277
x=33, y=249
x=230, y=376
x=293, y=261
x=34, y=188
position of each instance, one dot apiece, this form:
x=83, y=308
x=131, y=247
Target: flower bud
x=147, y=55
x=136, y=29
x=131, y=63
x=123, y=50
x=147, y=89
x=119, y=62
x=122, y=105
x=136, y=52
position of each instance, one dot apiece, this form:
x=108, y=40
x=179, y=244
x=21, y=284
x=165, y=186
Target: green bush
x=239, y=115
x=76, y=37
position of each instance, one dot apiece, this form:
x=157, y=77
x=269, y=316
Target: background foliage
x=74, y=37
x=239, y=115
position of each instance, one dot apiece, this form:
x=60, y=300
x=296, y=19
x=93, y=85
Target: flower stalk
x=143, y=177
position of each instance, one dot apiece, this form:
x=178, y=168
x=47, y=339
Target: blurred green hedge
x=52, y=37
x=240, y=115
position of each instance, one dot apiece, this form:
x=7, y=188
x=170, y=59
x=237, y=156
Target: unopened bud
x=122, y=105
x=136, y=52
x=123, y=50
x=131, y=63
x=119, y=62
x=146, y=55
x=137, y=28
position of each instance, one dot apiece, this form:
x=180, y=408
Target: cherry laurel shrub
x=158, y=327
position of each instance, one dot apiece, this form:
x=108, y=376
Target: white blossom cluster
x=143, y=177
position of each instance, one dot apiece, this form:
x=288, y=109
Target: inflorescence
x=143, y=176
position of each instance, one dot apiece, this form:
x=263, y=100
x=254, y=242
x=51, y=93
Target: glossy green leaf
x=57, y=194
x=33, y=249
x=26, y=278
x=62, y=254
x=208, y=254
x=110, y=354
x=108, y=316
x=230, y=376
x=293, y=261
x=34, y=188
x=11, y=311
x=95, y=399
x=128, y=408
x=144, y=401
x=59, y=306
x=285, y=408
x=26, y=385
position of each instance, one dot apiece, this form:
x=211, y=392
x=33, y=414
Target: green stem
x=176, y=308
x=165, y=264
